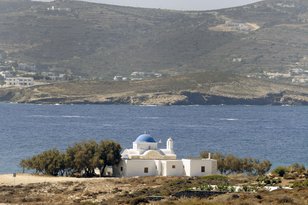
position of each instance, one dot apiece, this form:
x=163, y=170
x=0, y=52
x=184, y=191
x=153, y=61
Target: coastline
x=163, y=99
x=187, y=90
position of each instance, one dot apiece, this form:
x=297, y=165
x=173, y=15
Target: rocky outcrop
x=281, y=98
x=6, y=95
x=167, y=98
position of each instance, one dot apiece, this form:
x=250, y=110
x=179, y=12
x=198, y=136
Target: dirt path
x=25, y=179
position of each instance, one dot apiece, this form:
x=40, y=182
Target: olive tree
x=109, y=154
x=51, y=162
x=228, y=164
x=82, y=158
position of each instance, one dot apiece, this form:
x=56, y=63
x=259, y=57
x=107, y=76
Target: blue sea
x=276, y=133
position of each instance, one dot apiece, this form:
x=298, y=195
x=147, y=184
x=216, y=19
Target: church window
x=121, y=169
x=146, y=170
x=203, y=169
x=173, y=166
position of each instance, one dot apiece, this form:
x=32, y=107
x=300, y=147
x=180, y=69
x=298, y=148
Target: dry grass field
x=31, y=189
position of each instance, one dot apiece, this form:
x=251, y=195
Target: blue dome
x=145, y=138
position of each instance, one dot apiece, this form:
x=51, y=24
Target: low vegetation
x=149, y=190
x=300, y=184
x=291, y=172
x=268, y=181
x=79, y=160
x=232, y=189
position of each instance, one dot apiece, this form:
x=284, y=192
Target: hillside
x=103, y=40
x=99, y=40
x=256, y=52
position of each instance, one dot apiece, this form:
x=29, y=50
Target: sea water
x=276, y=133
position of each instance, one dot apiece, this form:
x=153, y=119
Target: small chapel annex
x=146, y=159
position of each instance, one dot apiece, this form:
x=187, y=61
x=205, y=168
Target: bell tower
x=170, y=144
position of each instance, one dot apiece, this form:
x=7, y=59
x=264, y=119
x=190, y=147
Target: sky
x=177, y=4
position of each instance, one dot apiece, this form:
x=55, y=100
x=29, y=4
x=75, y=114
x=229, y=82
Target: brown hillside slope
x=99, y=40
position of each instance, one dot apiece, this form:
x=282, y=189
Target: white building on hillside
x=146, y=159
x=19, y=81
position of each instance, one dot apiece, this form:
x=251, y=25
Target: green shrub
x=280, y=171
x=291, y=172
x=265, y=180
x=297, y=168
x=290, y=176
x=206, y=187
x=216, y=179
x=247, y=188
x=231, y=189
x=223, y=187
x=300, y=184
x=228, y=164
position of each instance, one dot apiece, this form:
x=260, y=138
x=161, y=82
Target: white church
x=146, y=159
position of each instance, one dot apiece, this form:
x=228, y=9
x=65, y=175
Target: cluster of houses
x=54, y=8
x=13, y=74
x=136, y=75
x=295, y=75
x=19, y=81
x=8, y=70
x=25, y=75
x=11, y=80
x=25, y=79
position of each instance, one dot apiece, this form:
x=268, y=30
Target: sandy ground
x=36, y=189
x=25, y=179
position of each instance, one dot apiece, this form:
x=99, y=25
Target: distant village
x=296, y=73
x=137, y=76
x=294, y=76
x=14, y=74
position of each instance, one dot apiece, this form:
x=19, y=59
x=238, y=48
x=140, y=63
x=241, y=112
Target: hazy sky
x=178, y=4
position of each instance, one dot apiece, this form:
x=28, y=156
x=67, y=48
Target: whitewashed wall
x=184, y=167
x=193, y=167
x=168, y=170
x=136, y=168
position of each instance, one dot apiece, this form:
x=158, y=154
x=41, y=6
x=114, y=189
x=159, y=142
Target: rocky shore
x=165, y=98
x=181, y=90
